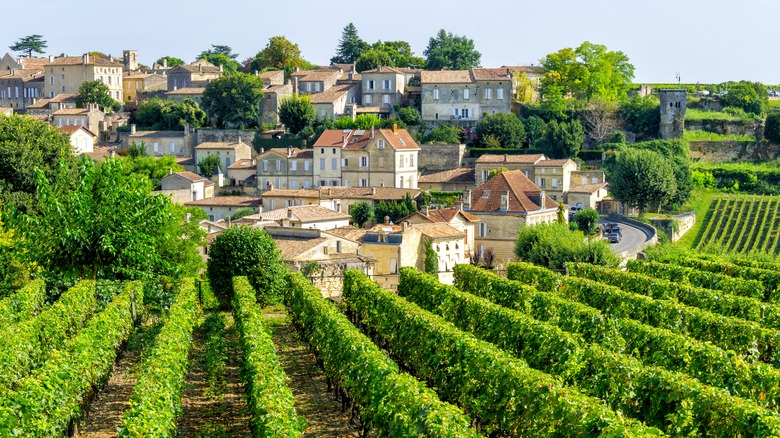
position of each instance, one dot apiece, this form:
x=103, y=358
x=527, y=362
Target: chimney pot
x=424, y=210
x=51, y=58
x=467, y=199
x=239, y=139
x=132, y=129
x=170, y=171
x=373, y=190
x=85, y=58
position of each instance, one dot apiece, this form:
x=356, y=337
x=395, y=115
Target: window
x=400, y=161
x=540, y=182
x=294, y=165
x=594, y=180
x=483, y=229
x=278, y=183
x=156, y=147
x=386, y=85
x=465, y=113
x=306, y=165
x=393, y=266
x=370, y=85
x=172, y=146
x=338, y=246
x=316, y=86
x=554, y=182
x=455, y=113
x=265, y=165
x=278, y=165
x=363, y=161
x=227, y=162
x=380, y=144
x=293, y=184
x=322, y=164
x=306, y=184
x=499, y=93
x=584, y=180
x=323, y=183
x=411, y=160
x=344, y=162
x=308, y=86
x=271, y=204
x=367, y=99
x=488, y=91
x=51, y=81
x=334, y=163
x=363, y=182
x=435, y=94
x=485, y=174
x=333, y=150
x=386, y=98
x=481, y=250
x=465, y=93
x=486, y=194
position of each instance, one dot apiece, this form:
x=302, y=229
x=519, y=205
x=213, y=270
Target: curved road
x=632, y=237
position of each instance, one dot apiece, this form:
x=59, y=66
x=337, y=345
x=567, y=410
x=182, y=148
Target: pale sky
x=706, y=41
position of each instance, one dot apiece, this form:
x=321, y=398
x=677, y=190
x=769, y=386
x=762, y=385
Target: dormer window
x=486, y=194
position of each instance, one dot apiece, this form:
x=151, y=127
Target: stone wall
x=225, y=135
x=438, y=157
x=684, y=222
x=717, y=151
x=726, y=127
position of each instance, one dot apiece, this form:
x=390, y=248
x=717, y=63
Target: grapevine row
x=269, y=398
x=24, y=345
x=735, y=217
x=156, y=400
x=746, y=223
x=653, y=346
x=756, y=225
x=395, y=403
x=639, y=391
x=751, y=309
x=685, y=275
x=45, y=403
x=709, y=221
x=769, y=279
x=503, y=393
x=22, y=304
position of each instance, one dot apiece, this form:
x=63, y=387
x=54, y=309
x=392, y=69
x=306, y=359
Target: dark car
x=613, y=237
x=616, y=229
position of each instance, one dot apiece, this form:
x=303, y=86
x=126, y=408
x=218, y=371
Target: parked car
x=609, y=226
x=616, y=230
x=613, y=237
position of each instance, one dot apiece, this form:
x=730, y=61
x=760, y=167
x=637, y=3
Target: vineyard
x=742, y=224
x=681, y=347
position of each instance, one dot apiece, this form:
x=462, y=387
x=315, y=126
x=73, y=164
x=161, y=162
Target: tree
x=431, y=259
x=444, y=134
x=560, y=213
x=136, y=150
x=96, y=92
x=772, y=130
x=524, y=91
x=297, y=113
x=25, y=145
x=109, y=226
x=641, y=115
x=588, y=72
x=371, y=59
x=234, y=99
x=208, y=165
x=400, y=53
x=564, y=138
x=600, y=119
x=154, y=168
x=496, y=171
x=553, y=245
x=29, y=44
x=250, y=252
x=641, y=179
x=367, y=121
x=242, y=212
x=451, y=52
x=218, y=49
x=410, y=116
x=750, y=96
x=361, y=213
x=170, y=61
x=677, y=153
x=587, y=221
x=350, y=46
x=229, y=66
x=505, y=127
x=167, y=115
x=535, y=131
x=279, y=54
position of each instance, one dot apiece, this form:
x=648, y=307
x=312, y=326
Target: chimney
x=85, y=59
x=289, y=151
x=187, y=217
x=424, y=210
x=505, y=158
x=289, y=213
x=132, y=129
x=260, y=209
x=51, y=58
x=170, y=171
x=404, y=226
x=111, y=58
x=295, y=83
x=467, y=199
x=165, y=63
x=395, y=128
x=504, y=200
x=239, y=139
x=372, y=131
x=13, y=72
x=459, y=205
x=542, y=198
x=373, y=191
x=379, y=68
x=297, y=69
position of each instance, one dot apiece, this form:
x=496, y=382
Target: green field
x=741, y=224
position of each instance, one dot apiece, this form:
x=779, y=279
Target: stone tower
x=672, y=113
x=130, y=59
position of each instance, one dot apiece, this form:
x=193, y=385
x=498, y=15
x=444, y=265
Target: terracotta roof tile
x=292, y=247
x=228, y=201
x=79, y=60
x=524, y=69
x=156, y=134
x=349, y=232
x=491, y=74
x=588, y=188
x=71, y=111
x=400, y=139
x=33, y=63
x=190, y=91
x=331, y=94
x=446, y=77
x=64, y=97
x=209, y=145
x=439, y=230
x=243, y=163
x=340, y=138
x=194, y=177
x=73, y=128
x=304, y=213
x=487, y=197
x=292, y=193
x=506, y=158
x=316, y=75
x=462, y=175
x=554, y=163
x=27, y=75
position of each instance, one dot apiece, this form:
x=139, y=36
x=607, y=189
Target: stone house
x=136, y=84
x=335, y=101
x=289, y=168
x=306, y=216
x=554, y=177
x=186, y=187
x=227, y=152
x=315, y=81
x=48, y=106
x=160, y=143
x=489, y=162
x=448, y=243
x=587, y=195
x=383, y=87
x=222, y=207
x=192, y=93
x=366, y=158
x=532, y=73
x=455, y=217
x=195, y=75
x=9, y=62
x=338, y=198
x=243, y=173
x=20, y=88
x=463, y=97
x=81, y=139
x=393, y=247
x=453, y=180
x=87, y=117
x=503, y=204
x=276, y=90
x=66, y=74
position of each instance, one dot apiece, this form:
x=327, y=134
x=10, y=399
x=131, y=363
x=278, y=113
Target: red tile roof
x=487, y=197
x=227, y=201
x=506, y=158
x=70, y=129
x=446, y=77
x=491, y=74
x=462, y=175
x=439, y=230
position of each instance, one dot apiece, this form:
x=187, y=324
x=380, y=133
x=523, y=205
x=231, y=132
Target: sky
x=705, y=41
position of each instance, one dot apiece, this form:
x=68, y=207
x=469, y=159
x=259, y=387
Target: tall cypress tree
x=350, y=46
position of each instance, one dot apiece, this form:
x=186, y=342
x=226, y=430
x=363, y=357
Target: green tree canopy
x=371, y=59
x=750, y=96
x=564, y=139
x=279, y=54
x=400, y=53
x=350, y=46
x=297, y=113
x=208, y=164
x=168, y=115
x=229, y=66
x=451, y=52
x=154, y=168
x=170, y=61
x=219, y=49
x=361, y=213
x=109, y=227
x=588, y=72
x=250, y=252
x=410, y=115
x=772, y=130
x=234, y=99
x=505, y=127
x=96, y=92
x=677, y=153
x=27, y=144
x=642, y=178
x=535, y=131
x=553, y=245
x=444, y=134
x=587, y=221
x=29, y=44
x=431, y=259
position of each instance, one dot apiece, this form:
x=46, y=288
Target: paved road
x=632, y=237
